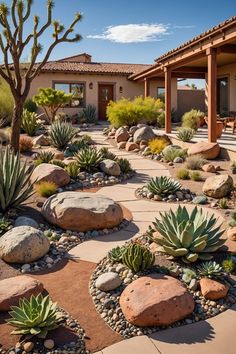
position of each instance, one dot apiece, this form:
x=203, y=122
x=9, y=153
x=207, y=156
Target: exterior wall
x=190, y=99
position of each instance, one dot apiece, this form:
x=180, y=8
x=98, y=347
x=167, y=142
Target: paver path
x=214, y=336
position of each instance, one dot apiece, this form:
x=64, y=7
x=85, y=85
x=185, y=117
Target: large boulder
x=108, y=281
x=82, y=211
x=156, y=300
x=146, y=133
x=110, y=167
x=12, y=289
x=121, y=135
x=209, y=151
x=50, y=173
x=212, y=289
x=130, y=146
x=218, y=186
x=23, y=244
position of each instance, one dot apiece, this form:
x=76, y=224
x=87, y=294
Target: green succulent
x=210, y=269
x=61, y=134
x=86, y=139
x=223, y=203
x=44, y=157
x=185, y=134
x=124, y=164
x=72, y=169
x=229, y=265
x=30, y=122
x=106, y=154
x=15, y=186
x=137, y=257
x=35, y=317
x=189, y=236
x=188, y=275
x=115, y=255
x=89, y=114
x=5, y=225
x=88, y=159
x=232, y=222
x=170, y=153
x=74, y=147
x=163, y=186
x=58, y=163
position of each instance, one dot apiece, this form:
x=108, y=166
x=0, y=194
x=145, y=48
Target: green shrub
x=223, y=203
x=30, y=122
x=185, y=134
x=191, y=119
x=124, y=164
x=195, y=162
x=61, y=133
x=6, y=103
x=163, y=186
x=45, y=156
x=88, y=159
x=156, y=145
x=5, y=225
x=46, y=189
x=58, y=163
x=72, y=169
x=30, y=105
x=196, y=176
x=106, y=154
x=229, y=265
x=170, y=154
x=183, y=174
x=210, y=270
x=89, y=114
x=137, y=257
x=160, y=118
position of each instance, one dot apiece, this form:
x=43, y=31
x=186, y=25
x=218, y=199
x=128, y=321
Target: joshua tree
x=12, y=45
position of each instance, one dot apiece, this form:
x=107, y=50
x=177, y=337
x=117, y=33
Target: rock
x=143, y=143
x=40, y=140
x=28, y=346
x=122, y=135
x=12, y=289
x=80, y=211
x=49, y=343
x=145, y=133
x=209, y=151
x=200, y=199
x=121, y=145
x=130, y=146
x=178, y=160
x=50, y=173
x=231, y=233
x=26, y=221
x=212, y=289
x=209, y=168
x=108, y=281
x=110, y=167
x=23, y=244
x=58, y=155
x=218, y=186
x=68, y=160
x=193, y=285
x=133, y=129
x=156, y=300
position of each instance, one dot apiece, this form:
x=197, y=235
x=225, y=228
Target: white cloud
x=133, y=33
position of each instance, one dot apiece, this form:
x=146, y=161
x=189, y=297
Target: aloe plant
x=137, y=257
x=72, y=169
x=88, y=159
x=163, y=186
x=45, y=156
x=30, y=122
x=210, y=269
x=189, y=236
x=35, y=317
x=61, y=134
x=15, y=186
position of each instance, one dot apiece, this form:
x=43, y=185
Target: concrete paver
x=135, y=345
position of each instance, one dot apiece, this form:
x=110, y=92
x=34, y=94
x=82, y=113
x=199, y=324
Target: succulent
x=232, y=222
x=89, y=114
x=15, y=186
x=210, y=269
x=106, y=154
x=72, y=169
x=233, y=167
x=229, y=265
x=45, y=157
x=137, y=257
x=86, y=139
x=88, y=159
x=170, y=153
x=223, y=203
x=185, y=134
x=30, y=122
x=58, y=163
x=115, y=255
x=74, y=147
x=188, y=275
x=35, y=317
x=61, y=134
x=189, y=236
x=124, y=164
x=5, y=225
x=163, y=186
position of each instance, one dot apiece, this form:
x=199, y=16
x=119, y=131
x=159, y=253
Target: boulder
x=121, y=145
x=122, y=135
x=12, y=289
x=209, y=151
x=218, y=186
x=133, y=129
x=156, y=300
x=82, y=211
x=145, y=133
x=200, y=199
x=40, y=140
x=209, y=168
x=130, y=146
x=26, y=221
x=23, y=244
x=50, y=173
x=231, y=233
x=110, y=167
x=212, y=289
x=108, y=281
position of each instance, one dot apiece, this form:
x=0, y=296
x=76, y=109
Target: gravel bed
x=183, y=195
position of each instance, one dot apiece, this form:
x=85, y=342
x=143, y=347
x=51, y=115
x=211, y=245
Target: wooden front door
x=105, y=95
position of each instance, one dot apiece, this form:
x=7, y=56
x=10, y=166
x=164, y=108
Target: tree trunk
x=16, y=125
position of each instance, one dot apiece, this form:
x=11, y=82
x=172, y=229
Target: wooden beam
x=146, y=88
x=227, y=48
x=212, y=83
x=191, y=69
x=167, y=100
x=188, y=76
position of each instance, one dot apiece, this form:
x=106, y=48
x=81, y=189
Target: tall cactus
x=137, y=257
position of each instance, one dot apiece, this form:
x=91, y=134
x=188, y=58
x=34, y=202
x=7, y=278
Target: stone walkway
x=214, y=336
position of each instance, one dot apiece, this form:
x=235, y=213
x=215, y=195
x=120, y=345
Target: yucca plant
x=124, y=164
x=15, y=186
x=115, y=255
x=185, y=134
x=61, y=133
x=163, y=186
x=191, y=236
x=72, y=169
x=137, y=257
x=88, y=159
x=30, y=122
x=35, y=317
x=210, y=269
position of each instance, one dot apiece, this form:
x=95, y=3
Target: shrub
x=232, y=222
x=137, y=257
x=189, y=236
x=156, y=145
x=210, y=270
x=223, y=203
x=30, y=122
x=229, y=265
x=46, y=189
x=58, y=163
x=115, y=255
x=15, y=186
x=35, y=317
x=196, y=176
x=5, y=225
x=183, y=174
x=163, y=186
x=160, y=118
x=195, y=162
x=61, y=133
x=6, y=103
x=88, y=159
x=185, y=134
x=86, y=139
x=72, y=169
x=30, y=105
x=25, y=144
x=170, y=154
x=124, y=164
x=191, y=119
x=106, y=154
x=89, y=114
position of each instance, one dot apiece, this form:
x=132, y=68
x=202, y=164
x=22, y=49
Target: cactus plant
x=106, y=154
x=124, y=164
x=210, y=269
x=189, y=236
x=35, y=317
x=88, y=159
x=163, y=186
x=137, y=257
x=72, y=169
x=44, y=157
x=61, y=134
x=115, y=255
x=185, y=134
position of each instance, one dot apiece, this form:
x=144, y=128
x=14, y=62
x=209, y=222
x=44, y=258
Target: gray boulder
x=110, y=167
x=108, y=281
x=146, y=133
x=26, y=221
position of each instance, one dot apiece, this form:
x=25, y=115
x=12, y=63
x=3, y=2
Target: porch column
x=146, y=87
x=167, y=72
x=212, y=94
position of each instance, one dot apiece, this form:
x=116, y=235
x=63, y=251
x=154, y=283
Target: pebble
x=48, y=343
x=28, y=346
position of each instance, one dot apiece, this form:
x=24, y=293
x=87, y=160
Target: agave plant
x=124, y=164
x=210, y=269
x=89, y=113
x=45, y=156
x=163, y=186
x=88, y=159
x=189, y=236
x=30, y=122
x=15, y=186
x=72, y=169
x=115, y=255
x=35, y=317
x=106, y=154
x=61, y=134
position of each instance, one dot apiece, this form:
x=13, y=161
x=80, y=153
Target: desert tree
x=13, y=45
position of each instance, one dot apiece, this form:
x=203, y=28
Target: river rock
x=26, y=221
x=108, y=281
x=110, y=167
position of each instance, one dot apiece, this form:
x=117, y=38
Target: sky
x=131, y=31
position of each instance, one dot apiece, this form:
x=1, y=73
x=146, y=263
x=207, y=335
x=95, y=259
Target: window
x=223, y=96
x=76, y=89
x=161, y=93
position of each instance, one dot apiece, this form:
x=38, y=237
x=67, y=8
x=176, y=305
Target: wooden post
x=212, y=94
x=146, y=88
x=167, y=99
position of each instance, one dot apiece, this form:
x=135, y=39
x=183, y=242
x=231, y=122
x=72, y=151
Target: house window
x=77, y=89
x=223, y=96
x=161, y=93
